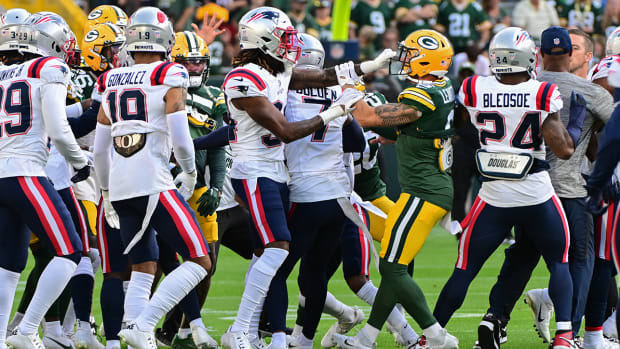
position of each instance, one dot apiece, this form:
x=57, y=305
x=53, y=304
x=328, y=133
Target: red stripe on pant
x=258, y=215
x=461, y=262
x=558, y=206
x=182, y=228
x=364, y=243
x=102, y=239
x=192, y=222
x=614, y=246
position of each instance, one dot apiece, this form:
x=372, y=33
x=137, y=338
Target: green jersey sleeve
x=417, y=98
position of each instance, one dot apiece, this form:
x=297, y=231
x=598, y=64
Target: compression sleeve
x=215, y=139
x=353, y=140
x=181, y=140
x=101, y=154
x=83, y=125
x=55, y=118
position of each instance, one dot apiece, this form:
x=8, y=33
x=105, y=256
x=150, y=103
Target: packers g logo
x=91, y=35
x=95, y=14
x=428, y=42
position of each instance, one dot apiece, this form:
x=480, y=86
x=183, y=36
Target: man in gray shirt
x=569, y=185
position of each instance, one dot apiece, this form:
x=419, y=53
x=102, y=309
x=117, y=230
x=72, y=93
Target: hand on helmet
x=380, y=62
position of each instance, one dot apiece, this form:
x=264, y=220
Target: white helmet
x=612, y=47
x=512, y=50
x=149, y=30
x=312, y=51
x=271, y=31
x=14, y=16
x=47, y=34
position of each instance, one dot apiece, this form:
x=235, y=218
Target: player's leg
x=267, y=201
x=597, y=302
x=52, y=224
x=234, y=231
x=377, y=224
x=482, y=235
x=115, y=267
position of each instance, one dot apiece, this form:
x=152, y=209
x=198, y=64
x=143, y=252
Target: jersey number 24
x=525, y=136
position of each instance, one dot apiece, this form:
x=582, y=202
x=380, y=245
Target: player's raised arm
x=556, y=137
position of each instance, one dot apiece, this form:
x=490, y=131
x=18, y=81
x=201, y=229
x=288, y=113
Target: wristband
x=331, y=114
x=369, y=66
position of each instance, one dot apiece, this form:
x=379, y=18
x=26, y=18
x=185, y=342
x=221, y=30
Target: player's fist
x=82, y=174
x=209, y=201
x=382, y=61
x=186, y=183
x=110, y=214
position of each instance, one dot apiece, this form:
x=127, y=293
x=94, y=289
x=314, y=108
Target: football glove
x=110, y=214
x=209, y=201
x=82, y=174
x=346, y=74
x=186, y=183
x=380, y=62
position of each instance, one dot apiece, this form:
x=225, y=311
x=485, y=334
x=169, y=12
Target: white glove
x=342, y=106
x=187, y=182
x=110, y=214
x=346, y=74
x=380, y=62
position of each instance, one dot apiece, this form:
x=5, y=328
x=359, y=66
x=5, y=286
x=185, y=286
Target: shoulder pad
x=170, y=74
x=50, y=69
x=417, y=96
x=242, y=82
x=469, y=91
x=544, y=94
x=100, y=85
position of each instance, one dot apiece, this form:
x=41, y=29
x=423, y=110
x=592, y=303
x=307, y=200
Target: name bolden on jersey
x=128, y=78
x=323, y=93
x=506, y=100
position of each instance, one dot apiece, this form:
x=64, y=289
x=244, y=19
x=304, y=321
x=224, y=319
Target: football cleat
x=52, y=342
x=609, y=327
x=258, y=343
x=201, y=338
x=295, y=345
x=235, y=340
x=21, y=341
x=404, y=336
x=138, y=339
x=443, y=341
x=85, y=339
x=185, y=343
x=563, y=341
x=488, y=332
x=342, y=327
x=344, y=342
x=503, y=337
x=603, y=344
x=541, y=311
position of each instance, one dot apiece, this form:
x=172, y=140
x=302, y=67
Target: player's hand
x=342, y=106
x=380, y=62
x=594, y=202
x=576, y=116
x=186, y=183
x=110, y=214
x=82, y=174
x=346, y=74
x=209, y=201
x=210, y=29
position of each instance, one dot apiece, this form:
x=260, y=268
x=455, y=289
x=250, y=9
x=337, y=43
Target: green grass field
x=433, y=267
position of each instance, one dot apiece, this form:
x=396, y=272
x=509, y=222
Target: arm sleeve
x=87, y=122
x=216, y=158
x=101, y=154
x=353, y=140
x=181, y=140
x=74, y=110
x=608, y=153
x=54, y=117
x=217, y=138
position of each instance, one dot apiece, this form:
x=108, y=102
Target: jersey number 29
x=15, y=101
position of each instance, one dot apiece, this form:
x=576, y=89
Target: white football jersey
x=257, y=152
x=23, y=139
x=315, y=162
x=58, y=170
x=228, y=193
x=133, y=100
x=601, y=70
x=368, y=158
x=509, y=119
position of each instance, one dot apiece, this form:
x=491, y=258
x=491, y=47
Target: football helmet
x=149, y=30
x=271, y=31
x=312, y=51
x=47, y=34
x=512, y=50
x=612, y=47
x=423, y=52
x=106, y=14
x=14, y=16
x=101, y=44
x=191, y=49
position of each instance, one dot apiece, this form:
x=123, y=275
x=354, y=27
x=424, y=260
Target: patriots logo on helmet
x=266, y=15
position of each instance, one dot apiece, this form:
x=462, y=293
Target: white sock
x=183, y=333
x=396, y=319
x=433, y=331
x=368, y=292
x=95, y=259
x=302, y=300
x=18, y=316
x=197, y=323
x=592, y=338
x=564, y=325
x=68, y=323
x=137, y=294
x=368, y=334
x=84, y=325
x=257, y=285
x=252, y=262
x=337, y=309
x=53, y=328
x=84, y=268
x=8, y=280
x=52, y=282
x=112, y=344
x=297, y=331
x=304, y=342
x=255, y=321
x=278, y=339
x=171, y=290
x=545, y=296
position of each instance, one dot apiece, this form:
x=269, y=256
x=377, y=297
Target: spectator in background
x=374, y=13
x=582, y=14
x=463, y=21
x=472, y=57
x=390, y=40
x=412, y=15
x=323, y=18
x=497, y=16
x=181, y=13
x=611, y=17
x=583, y=50
x=212, y=9
x=232, y=5
x=366, y=41
x=534, y=16
x=302, y=20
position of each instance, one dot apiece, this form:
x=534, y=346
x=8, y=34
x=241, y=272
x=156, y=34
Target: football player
x=144, y=113
x=37, y=76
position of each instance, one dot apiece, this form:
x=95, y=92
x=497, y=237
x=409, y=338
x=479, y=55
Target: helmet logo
x=265, y=15
x=95, y=14
x=428, y=42
x=161, y=17
x=91, y=35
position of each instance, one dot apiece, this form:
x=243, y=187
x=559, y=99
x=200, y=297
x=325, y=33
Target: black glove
x=81, y=174
x=209, y=201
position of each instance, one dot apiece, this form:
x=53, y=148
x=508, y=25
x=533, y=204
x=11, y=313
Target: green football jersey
x=405, y=29
x=82, y=85
x=586, y=16
x=421, y=145
x=377, y=17
x=205, y=108
x=461, y=24
x=325, y=29
x=368, y=183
